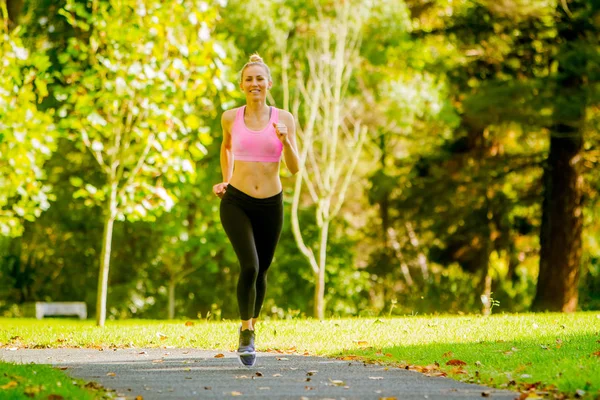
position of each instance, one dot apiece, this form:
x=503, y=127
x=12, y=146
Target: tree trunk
x=562, y=221
x=562, y=208
x=319, y=310
x=172, y=285
x=105, y=257
x=14, y=8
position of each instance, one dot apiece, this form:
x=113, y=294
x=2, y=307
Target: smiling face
x=255, y=82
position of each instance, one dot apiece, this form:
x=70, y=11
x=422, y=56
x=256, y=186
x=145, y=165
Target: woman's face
x=255, y=82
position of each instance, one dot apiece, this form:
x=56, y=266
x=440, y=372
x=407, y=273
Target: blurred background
x=451, y=152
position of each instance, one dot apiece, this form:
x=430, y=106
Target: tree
x=577, y=68
x=330, y=130
x=27, y=135
x=132, y=99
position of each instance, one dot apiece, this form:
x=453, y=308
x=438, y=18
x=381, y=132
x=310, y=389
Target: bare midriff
x=256, y=179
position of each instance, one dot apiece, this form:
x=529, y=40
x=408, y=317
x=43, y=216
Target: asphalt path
x=157, y=374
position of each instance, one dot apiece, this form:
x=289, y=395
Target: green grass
x=548, y=352
x=42, y=381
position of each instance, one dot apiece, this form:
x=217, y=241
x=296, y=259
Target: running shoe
x=246, y=351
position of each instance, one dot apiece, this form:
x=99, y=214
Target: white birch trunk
x=105, y=256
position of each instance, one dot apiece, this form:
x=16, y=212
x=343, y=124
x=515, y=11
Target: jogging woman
x=255, y=137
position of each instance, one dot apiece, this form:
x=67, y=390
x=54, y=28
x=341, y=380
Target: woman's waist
x=256, y=184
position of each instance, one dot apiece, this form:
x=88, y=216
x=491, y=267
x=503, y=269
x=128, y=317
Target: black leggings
x=253, y=227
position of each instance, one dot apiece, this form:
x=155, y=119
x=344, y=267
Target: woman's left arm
x=290, y=148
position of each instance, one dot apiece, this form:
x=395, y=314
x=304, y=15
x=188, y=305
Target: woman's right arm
x=226, y=154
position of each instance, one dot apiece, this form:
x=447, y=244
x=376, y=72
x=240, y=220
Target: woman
x=254, y=138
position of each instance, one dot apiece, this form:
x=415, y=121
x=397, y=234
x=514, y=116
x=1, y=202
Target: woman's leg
x=239, y=230
x=267, y=230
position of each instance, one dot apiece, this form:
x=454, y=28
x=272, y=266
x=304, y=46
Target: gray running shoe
x=246, y=351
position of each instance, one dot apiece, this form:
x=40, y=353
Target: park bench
x=41, y=309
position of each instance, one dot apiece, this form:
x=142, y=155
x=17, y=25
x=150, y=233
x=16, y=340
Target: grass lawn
x=538, y=353
x=42, y=381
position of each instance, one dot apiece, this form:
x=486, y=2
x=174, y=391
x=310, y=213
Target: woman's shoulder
x=285, y=115
x=229, y=116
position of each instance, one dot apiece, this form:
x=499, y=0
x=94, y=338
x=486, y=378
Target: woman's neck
x=256, y=107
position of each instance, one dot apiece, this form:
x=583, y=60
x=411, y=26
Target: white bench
x=43, y=309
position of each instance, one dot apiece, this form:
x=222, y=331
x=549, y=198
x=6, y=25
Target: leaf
x=376, y=378
x=281, y=358
x=10, y=385
x=220, y=355
x=236, y=393
x=189, y=323
x=258, y=373
x=336, y=382
x=111, y=374
x=456, y=362
x=55, y=397
x=448, y=354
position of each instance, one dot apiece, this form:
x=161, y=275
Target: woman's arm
x=290, y=148
x=226, y=154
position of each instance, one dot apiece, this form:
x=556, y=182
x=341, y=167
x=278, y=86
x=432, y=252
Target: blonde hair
x=255, y=59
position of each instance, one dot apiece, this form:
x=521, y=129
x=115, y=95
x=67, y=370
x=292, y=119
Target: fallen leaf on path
x=10, y=385
x=93, y=385
x=311, y=373
x=349, y=358
x=207, y=388
x=456, y=362
x=376, y=378
x=276, y=375
x=158, y=361
x=139, y=398
x=111, y=374
x=309, y=388
x=63, y=368
x=258, y=373
x=486, y=394
x=236, y=393
x=264, y=388
x=220, y=355
x=337, y=382
x=281, y=358
x=388, y=398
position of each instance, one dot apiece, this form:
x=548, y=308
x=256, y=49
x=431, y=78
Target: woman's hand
x=220, y=188
x=282, y=132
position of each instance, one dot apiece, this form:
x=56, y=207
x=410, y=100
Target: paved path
x=197, y=374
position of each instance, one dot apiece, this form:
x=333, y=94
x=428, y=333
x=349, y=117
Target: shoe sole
x=240, y=355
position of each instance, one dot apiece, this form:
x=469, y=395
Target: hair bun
x=256, y=58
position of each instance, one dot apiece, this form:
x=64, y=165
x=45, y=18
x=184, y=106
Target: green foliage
x=27, y=135
x=135, y=97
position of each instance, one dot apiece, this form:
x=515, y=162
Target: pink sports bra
x=249, y=145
